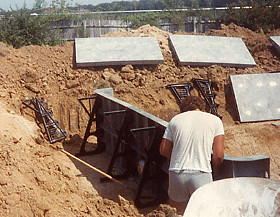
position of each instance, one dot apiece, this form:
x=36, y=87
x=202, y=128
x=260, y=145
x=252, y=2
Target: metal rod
x=25, y=103
x=84, y=107
x=114, y=112
x=143, y=129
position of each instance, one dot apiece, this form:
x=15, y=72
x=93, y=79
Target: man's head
x=190, y=103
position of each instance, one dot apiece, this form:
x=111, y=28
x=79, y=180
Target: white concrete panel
x=257, y=96
x=117, y=51
x=198, y=50
x=275, y=41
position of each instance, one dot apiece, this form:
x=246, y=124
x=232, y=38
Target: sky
x=14, y=4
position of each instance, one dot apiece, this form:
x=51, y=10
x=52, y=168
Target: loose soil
x=38, y=180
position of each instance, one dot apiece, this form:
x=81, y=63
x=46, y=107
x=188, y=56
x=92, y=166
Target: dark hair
x=190, y=103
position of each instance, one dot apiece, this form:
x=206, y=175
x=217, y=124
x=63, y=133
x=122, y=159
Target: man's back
x=192, y=134
x=187, y=141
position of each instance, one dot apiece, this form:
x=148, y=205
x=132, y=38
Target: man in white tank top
x=188, y=141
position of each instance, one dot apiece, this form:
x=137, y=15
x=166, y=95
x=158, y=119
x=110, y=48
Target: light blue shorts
x=183, y=184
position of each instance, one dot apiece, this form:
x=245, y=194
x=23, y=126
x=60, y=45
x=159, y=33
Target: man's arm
x=165, y=148
x=218, y=154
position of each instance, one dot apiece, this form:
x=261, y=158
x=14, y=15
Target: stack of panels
x=117, y=51
x=198, y=50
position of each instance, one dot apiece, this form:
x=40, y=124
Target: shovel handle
x=94, y=168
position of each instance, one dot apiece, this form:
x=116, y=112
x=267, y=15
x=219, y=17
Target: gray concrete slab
x=275, y=41
x=198, y=50
x=257, y=96
x=117, y=51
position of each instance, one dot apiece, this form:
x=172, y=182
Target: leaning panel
x=107, y=51
x=257, y=96
x=275, y=41
x=198, y=50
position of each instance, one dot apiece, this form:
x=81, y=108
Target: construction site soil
x=38, y=180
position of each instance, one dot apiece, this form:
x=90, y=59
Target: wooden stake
x=94, y=168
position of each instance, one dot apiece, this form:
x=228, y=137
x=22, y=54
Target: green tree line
x=163, y=4
x=261, y=15
x=21, y=27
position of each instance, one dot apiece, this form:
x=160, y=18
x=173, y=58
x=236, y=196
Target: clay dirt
x=36, y=179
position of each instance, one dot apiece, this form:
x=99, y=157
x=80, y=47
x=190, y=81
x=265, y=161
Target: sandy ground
x=38, y=180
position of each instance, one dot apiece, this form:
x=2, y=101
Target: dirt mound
x=38, y=180
x=257, y=43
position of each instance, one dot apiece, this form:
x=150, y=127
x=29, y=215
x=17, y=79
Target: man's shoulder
x=214, y=118
x=196, y=115
x=208, y=117
x=179, y=116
